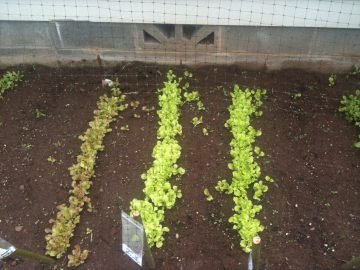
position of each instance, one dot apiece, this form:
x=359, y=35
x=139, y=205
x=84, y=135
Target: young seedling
x=259, y=189
x=51, y=159
x=197, y=121
x=269, y=179
x=191, y=96
x=148, y=109
x=208, y=196
x=200, y=106
x=57, y=144
x=357, y=144
x=350, y=106
x=125, y=128
x=27, y=146
x=134, y=104
x=9, y=81
x=355, y=71
x=332, y=80
x=258, y=151
x=188, y=74
x=297, y=95
x=205, y=132
x=77, y=257
x=39, y=114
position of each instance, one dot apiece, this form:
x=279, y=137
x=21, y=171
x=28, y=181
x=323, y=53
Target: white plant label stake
x=6, y=249
x=132, y=238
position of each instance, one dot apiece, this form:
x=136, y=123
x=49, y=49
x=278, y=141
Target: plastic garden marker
x=148, y=255
x=6, y=249
x=132, y=238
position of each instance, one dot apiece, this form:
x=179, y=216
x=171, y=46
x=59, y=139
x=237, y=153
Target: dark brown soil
x=311, y=213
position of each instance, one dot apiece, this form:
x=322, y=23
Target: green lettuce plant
x=200, y=106
x=197, y=121
x=332, y=80
x=205, y=132
x=355, y=71
x=68, y=215
x=350, y=106
x=246, y=172
x=192, y=96
x=159, y=193
x=208, y=195
x=9, y=81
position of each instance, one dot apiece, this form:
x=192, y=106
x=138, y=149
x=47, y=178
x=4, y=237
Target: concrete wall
x=54, y=42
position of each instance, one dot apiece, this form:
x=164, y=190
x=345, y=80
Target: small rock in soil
x=19, y=228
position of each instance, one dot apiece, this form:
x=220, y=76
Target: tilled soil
x=311, y=213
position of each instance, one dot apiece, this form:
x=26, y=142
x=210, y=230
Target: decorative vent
x=208, y=40
x=168, y=30
x=149, y=38
x=189, y=30
x=174, y=35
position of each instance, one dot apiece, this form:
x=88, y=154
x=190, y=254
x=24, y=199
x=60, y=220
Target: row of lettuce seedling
x=246, y=186
x=159, y=193
x=68, y=215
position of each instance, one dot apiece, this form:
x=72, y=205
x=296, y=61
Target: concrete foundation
x=89, y=43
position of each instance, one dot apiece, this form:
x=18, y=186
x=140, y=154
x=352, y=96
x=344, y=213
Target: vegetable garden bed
x=311, y=213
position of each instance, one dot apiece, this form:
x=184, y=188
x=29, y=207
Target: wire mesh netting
x=310, y=13
x=196, y=32
x=137, y=42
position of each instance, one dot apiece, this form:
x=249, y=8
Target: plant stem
x=354, y=262
x=33, y=256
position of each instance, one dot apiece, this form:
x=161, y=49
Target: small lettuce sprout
x=297, y=95
x=125, y=128
x=188, y=74
x=208, y=196
x=134, y=104
x=350, y=106
x=200, y=106
x=191, y=96
x=197, y=121
x=39, y=114
x=332, y=80
x=205, y=131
